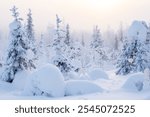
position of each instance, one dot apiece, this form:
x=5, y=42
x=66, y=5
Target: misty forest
x=62, y=63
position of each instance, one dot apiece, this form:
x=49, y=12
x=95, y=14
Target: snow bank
x=80, y=87
x=98, y=74
x=47, y=81
x=134, y=83
x=20, y=80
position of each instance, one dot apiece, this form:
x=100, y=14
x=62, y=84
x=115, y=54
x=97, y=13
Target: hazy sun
x=103, y=3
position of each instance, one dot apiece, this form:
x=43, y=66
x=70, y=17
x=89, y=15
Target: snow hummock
x=47, y=81
x=80, y=87
x=138, y=28
x=20, y=80
x=97, y=73
x=134, y=83
x=84, y=76
x=72, y=76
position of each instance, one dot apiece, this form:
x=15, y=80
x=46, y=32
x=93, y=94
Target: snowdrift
x=97, y=73
x=134, y=83
x=47, y=81
x=20, y=80
x=80, y=87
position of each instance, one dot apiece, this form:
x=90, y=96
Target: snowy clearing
x=64, y=64
x=112, y=90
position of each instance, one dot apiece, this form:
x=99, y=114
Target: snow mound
x=20, y=80
x=98, y=74
x=72, y=75
x=47, y=81
x=147, y=74
x=138, y=28
x=84, y=76
x=134, y=83
x=80, y=87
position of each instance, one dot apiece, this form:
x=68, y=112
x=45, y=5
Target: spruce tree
x=97, y=48
x=124, y=63
x=31, y=40
x=134, y=57
x=67, y=38
x=60, y=59
x=16, y=60
x=42, y=51
x=141, y=56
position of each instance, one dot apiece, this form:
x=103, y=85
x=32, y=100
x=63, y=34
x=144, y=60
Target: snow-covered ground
x=98, y=89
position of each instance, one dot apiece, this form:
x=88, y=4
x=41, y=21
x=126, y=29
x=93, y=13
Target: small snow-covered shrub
x=97, y=73
x=134, y=83
x=47, y=81
x=80, y=87
x=20, y=80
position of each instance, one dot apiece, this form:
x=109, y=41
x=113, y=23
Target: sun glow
x=104, y=3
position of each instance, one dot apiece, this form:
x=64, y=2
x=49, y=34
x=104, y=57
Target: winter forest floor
x=112, y=91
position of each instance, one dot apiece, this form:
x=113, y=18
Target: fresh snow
x=134, y=83
x=47, y=81
x=84, y=76
x=97, y=73
x=80, y=87
x=72, y=75
x=82, y=68
x=20, y=80
x=109, y=89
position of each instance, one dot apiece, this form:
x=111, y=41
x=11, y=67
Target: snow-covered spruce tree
x=42, y=51
x=67, y=37
x=147, y=43
x=97, y=48
x=114, y=52
x=116, y=45
x=140, y=53
x=60, y=60
x=32, y=49
x=124, y=63
x=72, y=46
x=133, y=57
x=85, y=57
x=120, y=33
x=16, y=58
x=68, y=43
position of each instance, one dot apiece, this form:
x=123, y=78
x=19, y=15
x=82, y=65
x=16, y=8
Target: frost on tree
x=67, y=38
x=42, y=58
x=133, y=57
x=85, y=56
x=124, y=63
x=97, y=48
x=141, y=56
x=31, y=40
x=16, y=58
x=60, y=59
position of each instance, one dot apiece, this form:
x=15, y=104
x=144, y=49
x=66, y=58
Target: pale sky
x=80, y=14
